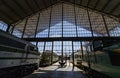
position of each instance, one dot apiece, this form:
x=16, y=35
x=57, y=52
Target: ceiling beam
x=88, y=2
x=97, y=2
x=8, y=6
x=80, y=2
x=6, y=15
x=70, y=39
x=29, y=6
x=75, y=18
x=4, y=18
x=108, y=14
x=113, y=9
x=22, y=9
x=108, y=1
x=34, y=13
x=36, y=4
x=44, y=3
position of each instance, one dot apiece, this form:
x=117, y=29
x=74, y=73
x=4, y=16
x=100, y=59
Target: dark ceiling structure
x=12, y=11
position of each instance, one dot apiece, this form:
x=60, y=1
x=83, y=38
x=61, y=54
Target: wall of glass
x=67, y=47
x=66, y=20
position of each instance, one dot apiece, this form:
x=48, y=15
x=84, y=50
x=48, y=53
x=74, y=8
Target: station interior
x=59, y=38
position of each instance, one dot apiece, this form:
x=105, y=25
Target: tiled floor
x=55, y=71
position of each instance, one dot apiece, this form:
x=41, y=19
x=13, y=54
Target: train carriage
x=102, y=62
x=16, y=56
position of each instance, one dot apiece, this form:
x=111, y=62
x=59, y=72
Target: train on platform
x=48, y=57
x=101, y=63
x=77, y=58
x=18, y=58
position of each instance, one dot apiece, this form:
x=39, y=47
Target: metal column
x=12, y=29
x=73, y=54
x=88, y=58
x=105, y=25
x=50, y=21
x=82, y=50
x=62, y=18
x=24, y=28
x=8, y=28
x=90, y=22
x=37, y=25
x=94, y=52
x=52, y=53
x=75, y=18
x=62, y=53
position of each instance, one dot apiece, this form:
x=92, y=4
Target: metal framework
x=37, y=25
x=113, y=10
x=97, y=2
x=61, y=48
x=108, y=1
x=52, y=53
x=115, y=7
x=29, y=6
x=28, y=13
x=4, y=2
x=75, y=18
x=50, y=21
x=24, y=27
x=82, y=22
x=62, y=18
x=94, y=52
x=82, y=49
x=90, y=22
x=73, y=54
x=70, y=23
x=22, y=9
x=96, y=5
x=12, y=29
x=71, y=39
x=106, y=26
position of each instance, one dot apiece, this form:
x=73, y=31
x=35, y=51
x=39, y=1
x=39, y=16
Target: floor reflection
x=55, y=71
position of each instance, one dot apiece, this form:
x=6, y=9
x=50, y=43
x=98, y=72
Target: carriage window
x=3, y=26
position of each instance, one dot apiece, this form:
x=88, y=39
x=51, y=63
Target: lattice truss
x=68, y=21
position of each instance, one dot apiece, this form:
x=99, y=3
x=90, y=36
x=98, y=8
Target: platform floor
x=55, y=71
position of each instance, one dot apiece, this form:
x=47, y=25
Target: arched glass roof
x=67, y=19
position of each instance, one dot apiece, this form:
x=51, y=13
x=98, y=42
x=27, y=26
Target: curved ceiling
x=53, y=15
x=11, y=11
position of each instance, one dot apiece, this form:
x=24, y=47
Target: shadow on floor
x=57, y=73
